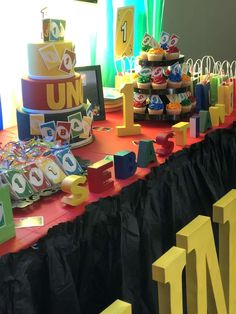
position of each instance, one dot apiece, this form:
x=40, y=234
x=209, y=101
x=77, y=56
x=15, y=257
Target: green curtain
x=148, y=15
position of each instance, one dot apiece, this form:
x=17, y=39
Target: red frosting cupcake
x=172, y=53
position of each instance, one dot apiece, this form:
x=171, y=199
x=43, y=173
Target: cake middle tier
x=52, y=94
x=53, y=60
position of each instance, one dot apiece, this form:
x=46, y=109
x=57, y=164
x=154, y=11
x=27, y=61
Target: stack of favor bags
x=213, y=82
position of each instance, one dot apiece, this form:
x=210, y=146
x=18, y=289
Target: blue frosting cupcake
x=155, y=106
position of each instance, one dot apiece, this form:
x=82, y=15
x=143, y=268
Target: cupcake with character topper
x=186, y=75
x=172, y=51
x=185, y=102
x=144, y=78
x=174, y=76
x=146, y=45
x=164, y=40
x=155, y=106
x=139, y=103
x=155, y=54
x=173, y=108
x=158, y=78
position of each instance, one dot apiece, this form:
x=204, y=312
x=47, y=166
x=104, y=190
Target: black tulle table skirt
x=82, y=266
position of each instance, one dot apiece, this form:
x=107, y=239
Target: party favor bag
x=215, y=81
x=202, y=94
x=127, y=73
x=225, y=70
x=233, y=78
x=7, y=227
x=195, y=70
x=207, y=67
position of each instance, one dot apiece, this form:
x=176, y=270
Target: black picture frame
x=92, y=89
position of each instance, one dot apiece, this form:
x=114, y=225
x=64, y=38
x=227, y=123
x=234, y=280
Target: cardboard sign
x=7, y=229
x=51, y=169
x=18, y=183
x=48, y=131
x=68, y=162
x=76, y=124
x=35, y=121
x=36, y=177
x=63, y=131
x=124, y=41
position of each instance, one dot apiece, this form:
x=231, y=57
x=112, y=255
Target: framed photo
x=92, y=89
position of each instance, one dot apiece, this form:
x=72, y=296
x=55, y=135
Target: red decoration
x=166, y=145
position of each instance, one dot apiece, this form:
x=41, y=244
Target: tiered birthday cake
x=52, y=93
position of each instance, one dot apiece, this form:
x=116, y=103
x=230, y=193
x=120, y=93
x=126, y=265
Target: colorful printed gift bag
x=127, y=72
x=7, y=228
x=202, y=94
x=225, y=96
x=233, y=77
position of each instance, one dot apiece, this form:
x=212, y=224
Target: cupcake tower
x=161, y=74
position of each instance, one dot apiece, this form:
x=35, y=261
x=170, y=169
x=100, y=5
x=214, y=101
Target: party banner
x=124, y=41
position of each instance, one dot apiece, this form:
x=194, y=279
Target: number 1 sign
x=7, y=228
x=124, y=42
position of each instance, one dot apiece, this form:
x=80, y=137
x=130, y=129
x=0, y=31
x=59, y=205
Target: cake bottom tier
x=28, y=124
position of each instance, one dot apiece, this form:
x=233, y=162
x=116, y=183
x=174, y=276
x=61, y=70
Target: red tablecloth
x=105, y=143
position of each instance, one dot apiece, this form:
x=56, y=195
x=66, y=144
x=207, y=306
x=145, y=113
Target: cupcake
x=174, y=77
x=146, y=45
x=143, y=55
x=155, y=106
x=155, y=54
x=158, y=79
x=186, y=80
x=159, y=83
x=172, y=53
x=139, y=107
x=186, y=105
x=173, y=108
x=144, y=78
x=143, y=82
x=139, y=103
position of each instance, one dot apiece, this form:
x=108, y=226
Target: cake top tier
x=53, y=30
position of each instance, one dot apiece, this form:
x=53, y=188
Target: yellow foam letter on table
x=129, y=128
x=202, y=264
x=180, y=130
x=224, y=213
x=118, y=307
x=79, y=194
x=167, y=270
